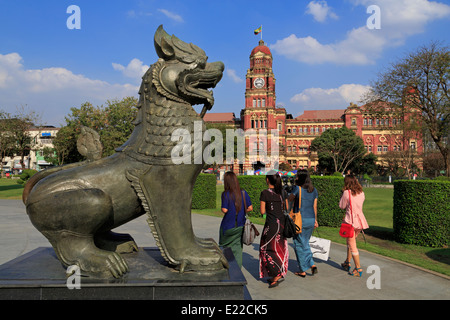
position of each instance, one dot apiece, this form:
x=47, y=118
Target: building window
x=378, y=148
x=300, y=130
x=279, y=127
x=353, y=121
x=294, y=131
x=263, y=103
x=413, y=145
x=253, y=124
x=365, y=122
x=370, y=122
x=385, y=148
x=265, y=123
x=370, y=148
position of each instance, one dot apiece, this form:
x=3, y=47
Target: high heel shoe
x=346, y=265
x=357, y=272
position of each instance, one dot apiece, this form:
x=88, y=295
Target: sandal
x=300, y=274
x=279, y=280
x=357, y=272
x=273, y=284
x=346, y=265
x=314, y=270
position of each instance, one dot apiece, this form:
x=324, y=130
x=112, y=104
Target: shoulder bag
x=290, y=227
x=297, y=217
x=250, y=231
x=346, y=229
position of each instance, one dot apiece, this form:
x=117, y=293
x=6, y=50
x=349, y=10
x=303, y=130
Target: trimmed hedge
x=253, y=185
x=204, y=192
x=328, y=187
x=330, y=191
x=422, y=212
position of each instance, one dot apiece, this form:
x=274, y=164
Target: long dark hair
x=231, y=184
x=275, y=180
x=304, y=180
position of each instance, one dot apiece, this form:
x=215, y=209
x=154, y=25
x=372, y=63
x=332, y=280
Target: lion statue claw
x=76, y=206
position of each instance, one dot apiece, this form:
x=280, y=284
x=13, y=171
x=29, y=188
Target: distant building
x=34, y=159
x=296, y=134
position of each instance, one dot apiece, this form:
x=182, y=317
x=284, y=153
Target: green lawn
x=10, y=189
x=378, y=212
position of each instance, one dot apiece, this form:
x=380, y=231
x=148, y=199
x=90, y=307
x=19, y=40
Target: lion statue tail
x=88, y=145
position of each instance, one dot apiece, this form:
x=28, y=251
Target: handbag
x=290, y=227
x=297, y=217
x=250, y=231
x=346, y=230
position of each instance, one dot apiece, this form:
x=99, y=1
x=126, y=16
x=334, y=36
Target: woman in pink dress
x=352, y=201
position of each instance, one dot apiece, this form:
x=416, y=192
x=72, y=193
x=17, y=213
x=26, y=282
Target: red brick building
x=380, y=135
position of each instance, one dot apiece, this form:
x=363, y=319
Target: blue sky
x=324, y=53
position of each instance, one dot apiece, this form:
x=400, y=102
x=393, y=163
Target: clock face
x=259, y=83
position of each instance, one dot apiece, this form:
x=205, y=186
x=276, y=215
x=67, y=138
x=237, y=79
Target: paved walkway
x=397, y=280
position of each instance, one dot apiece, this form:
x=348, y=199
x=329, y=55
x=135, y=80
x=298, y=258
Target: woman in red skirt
x=273, y=250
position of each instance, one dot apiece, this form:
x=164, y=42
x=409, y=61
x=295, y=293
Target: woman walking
x=233, y=208
x=352, y=201
x=273, y=250
x=306, y=198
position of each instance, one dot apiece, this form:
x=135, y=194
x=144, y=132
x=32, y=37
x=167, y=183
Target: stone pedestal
x=38, y=275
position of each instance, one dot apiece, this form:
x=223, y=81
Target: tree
x=113, y=122
x=342, y=145
x=19, y=128
x=420, y=81
x=367, y=164
x=6, y=138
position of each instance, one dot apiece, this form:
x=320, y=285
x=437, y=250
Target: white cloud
x=175, y=17
x=135, y=69
x=400, y=19
x=333, y=98
x=360, y=47
x=132, y=14
x=52, y=91
x=231, y=73
x=320, y=11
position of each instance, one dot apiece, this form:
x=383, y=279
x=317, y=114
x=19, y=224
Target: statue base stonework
x=38, y=275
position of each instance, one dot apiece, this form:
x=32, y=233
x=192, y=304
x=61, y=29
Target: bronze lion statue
x=76, y=206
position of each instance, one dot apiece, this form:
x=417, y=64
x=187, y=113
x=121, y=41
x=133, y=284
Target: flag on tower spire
x=258, y=31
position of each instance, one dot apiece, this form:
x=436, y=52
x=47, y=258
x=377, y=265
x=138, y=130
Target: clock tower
x=259, y=109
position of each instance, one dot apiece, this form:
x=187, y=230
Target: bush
x=254, y=185
x=421, y=212
x=26, y=175
x=330, y=192
x=204, y=192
